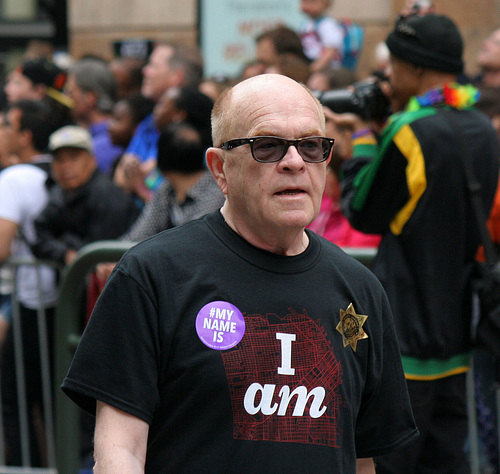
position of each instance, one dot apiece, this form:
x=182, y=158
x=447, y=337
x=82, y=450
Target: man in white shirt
x=23, y=194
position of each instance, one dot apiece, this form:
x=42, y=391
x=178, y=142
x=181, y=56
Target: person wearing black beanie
x=431, y=41
x=409, y=186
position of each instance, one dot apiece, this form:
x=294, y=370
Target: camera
x=364, y=98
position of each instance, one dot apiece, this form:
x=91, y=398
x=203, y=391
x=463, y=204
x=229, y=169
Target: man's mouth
x=290, y=192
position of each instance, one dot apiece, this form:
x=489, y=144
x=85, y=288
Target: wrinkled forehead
x=285, y=110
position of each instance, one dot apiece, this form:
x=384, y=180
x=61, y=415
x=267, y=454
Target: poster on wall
x=228, y=29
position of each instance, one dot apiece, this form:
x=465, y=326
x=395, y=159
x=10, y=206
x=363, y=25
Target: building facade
x=94, y=25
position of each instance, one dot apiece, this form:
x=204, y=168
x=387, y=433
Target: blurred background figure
x=331, y=222
x=275, y=42
x=329, y=79
x=23, y=194
x=188, y=105
x=321, y=35
x=84, y=205
x=128, y=75
x=486, y=367
x=189, y=190
x=291, y=66
x=488, y=60
x=40, y=79
x=169, y=65
x=92, y=88
x=127, y=114
x=213, y=87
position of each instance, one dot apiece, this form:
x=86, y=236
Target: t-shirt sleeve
x=385, y=420
x=13, y=196
x=117, y=360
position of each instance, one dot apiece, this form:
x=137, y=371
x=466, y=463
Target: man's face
x=404, y=81
x=121, y=126
x=488, y=57
x=6, y=156
x=12, y=134
x=275, y=197
x=19, y=87
x=81, y=100
x=72, y=167
x=158, y=76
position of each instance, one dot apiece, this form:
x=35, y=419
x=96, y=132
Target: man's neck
x=93, y=118
x=288, y=242
x=433, y=80
x=29, y=155
x=182, y=183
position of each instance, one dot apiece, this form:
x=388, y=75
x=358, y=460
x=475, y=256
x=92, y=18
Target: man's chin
x=298, y=218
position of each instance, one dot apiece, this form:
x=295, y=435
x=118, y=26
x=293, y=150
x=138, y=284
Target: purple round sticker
x=220, y=325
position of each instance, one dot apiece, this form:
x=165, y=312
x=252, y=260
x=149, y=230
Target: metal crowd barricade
x=67, y=335
x=21, y=389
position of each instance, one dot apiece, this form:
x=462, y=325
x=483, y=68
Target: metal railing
x=64, y=453
x=67, y=335
x=14, y=264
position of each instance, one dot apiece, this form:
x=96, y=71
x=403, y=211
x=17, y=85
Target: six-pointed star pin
x=351, y=327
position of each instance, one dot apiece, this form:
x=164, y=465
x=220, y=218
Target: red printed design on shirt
x=284, y=381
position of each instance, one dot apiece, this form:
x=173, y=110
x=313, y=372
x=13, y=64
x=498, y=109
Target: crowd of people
x=247, y=171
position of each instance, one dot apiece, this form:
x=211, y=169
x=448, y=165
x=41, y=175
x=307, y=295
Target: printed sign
x=228, y=29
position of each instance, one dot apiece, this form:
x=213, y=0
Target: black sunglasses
x=273, y=149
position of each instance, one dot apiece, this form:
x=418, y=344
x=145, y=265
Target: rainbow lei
x=454, y=95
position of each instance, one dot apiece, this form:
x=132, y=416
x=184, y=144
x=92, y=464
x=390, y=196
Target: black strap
x=474, y=189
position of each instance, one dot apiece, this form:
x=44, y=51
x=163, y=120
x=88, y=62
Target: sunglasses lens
x=269, y=149
x=272, y=149
x=314, y=150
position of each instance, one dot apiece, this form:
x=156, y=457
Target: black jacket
x=99, y=210
x=412, y=190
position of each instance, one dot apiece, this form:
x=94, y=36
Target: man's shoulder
x=190, y=237
x=24, y=176
x=23, y=169
x=350, y=264
x=147, y=125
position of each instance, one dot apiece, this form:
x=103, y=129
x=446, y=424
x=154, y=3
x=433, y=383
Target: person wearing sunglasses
x=243, y=342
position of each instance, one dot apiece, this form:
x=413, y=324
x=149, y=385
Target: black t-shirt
x=289, y=396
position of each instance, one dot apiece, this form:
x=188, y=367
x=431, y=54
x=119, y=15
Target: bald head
x=268, y=203
x=239, y=106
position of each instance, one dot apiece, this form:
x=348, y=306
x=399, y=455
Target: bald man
x=242, y=342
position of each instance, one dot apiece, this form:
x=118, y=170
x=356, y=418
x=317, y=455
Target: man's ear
x=91, y=98
x=215, y=163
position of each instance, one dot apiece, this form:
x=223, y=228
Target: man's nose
x=292, y=159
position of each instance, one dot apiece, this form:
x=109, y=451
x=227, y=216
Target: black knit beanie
x=429, y=41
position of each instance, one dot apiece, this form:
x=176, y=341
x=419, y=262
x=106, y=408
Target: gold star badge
x=351, y=327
